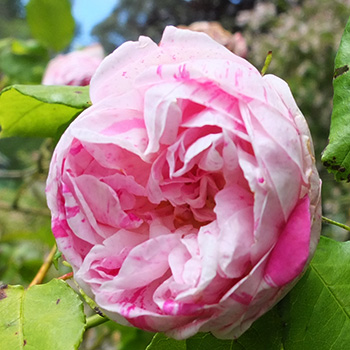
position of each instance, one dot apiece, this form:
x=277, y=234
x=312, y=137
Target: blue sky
x=87, y=14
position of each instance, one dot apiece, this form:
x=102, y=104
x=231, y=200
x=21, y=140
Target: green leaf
x=336, y=156
x=131, y=338
x=316, y=313
x=264, y=334
x=162, y=342
x=48, y=316
x=40, y=111
x=51, y=22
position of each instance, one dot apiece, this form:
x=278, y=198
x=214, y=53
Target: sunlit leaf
x=48, y=316
x=51, y=22
x=40, y=111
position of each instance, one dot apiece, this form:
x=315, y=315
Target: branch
x=18, y=174
x=29, y=211
x=44, y=267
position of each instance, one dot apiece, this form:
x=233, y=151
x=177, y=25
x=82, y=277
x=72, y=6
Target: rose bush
x=74, y=68
x=186, y=197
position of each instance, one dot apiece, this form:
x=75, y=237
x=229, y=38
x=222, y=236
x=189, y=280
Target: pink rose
x=75, y=68
x=186, y=198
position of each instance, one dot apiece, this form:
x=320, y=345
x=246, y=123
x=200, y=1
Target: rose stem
x=332, y=222
x=44, y=267
x=66, y=276
x=95, y=320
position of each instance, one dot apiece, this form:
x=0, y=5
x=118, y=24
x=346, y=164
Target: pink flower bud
x=75, y=68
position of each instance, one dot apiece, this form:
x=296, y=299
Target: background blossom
x=74, y=68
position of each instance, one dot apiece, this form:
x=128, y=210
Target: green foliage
x=336, y=156
x=9, y=9
x=19, y=259
x=51, y=22
x=264, y=334
x=43, y=317
x=11, y=20
x=21, y=61
x=40, y=111
x=162, y=342
x=132, y=338
x=316, y=313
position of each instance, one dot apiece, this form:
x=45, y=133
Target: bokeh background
x=303, y=36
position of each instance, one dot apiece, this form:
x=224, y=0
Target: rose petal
x=290, y=254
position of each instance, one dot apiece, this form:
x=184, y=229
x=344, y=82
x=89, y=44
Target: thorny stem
x=95, y=320
x=44, y=267
x=332, y=222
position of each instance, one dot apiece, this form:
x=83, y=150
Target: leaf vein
x=23, y=116
x=331, y=292
x=21, y=312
